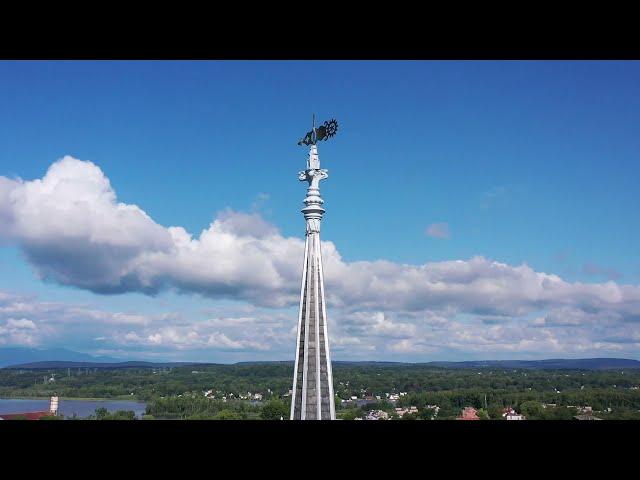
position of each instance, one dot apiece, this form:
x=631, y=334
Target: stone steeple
x=312, y=393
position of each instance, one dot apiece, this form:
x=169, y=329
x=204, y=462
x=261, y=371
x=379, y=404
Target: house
x=468, y=413
x=510, y=414
x=24, y=416
x=515, y=416
x=402, y=411
x=377, y=415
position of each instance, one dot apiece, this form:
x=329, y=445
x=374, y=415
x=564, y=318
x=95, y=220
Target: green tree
x=52, y=417
x=531, y=409
x=447, y=412
x=559, y=413
x=349, y=414
x=426, y=413
x=101, y=413
x=495, y=412
x=274, y=410
x=122, y=415
x=409, y=416
x=228, y=415
x=201, y=416
x=482, y=414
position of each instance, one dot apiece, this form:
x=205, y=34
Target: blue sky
x=530, y=163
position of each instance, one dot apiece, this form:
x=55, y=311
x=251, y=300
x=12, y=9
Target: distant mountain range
x=26, y=358
x=109, y=365
x=18, y=355
x=550, y=364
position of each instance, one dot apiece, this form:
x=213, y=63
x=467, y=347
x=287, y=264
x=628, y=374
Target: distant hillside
x=17, y=355
x=550, y=364
x=108, y=365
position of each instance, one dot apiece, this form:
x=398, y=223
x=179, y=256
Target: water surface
x=82, y=408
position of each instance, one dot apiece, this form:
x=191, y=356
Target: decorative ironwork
x=325, y=131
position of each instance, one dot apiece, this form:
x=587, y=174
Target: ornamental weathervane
x=323, y=132
x=312, y=392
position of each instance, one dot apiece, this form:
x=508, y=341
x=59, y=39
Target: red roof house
x=469, y=413
x=27, y=415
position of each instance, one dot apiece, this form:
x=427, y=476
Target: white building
x=402, y=411
x=510, y=414
x=377, y=415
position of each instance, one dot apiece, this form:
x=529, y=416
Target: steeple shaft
x=312, y=393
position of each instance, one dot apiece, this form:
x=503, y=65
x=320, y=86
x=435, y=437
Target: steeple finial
x=325, y=131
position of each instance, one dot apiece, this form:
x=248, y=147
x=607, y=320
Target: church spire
x=312, y=394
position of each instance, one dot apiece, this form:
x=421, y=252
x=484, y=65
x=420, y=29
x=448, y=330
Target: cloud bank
x=73, y=231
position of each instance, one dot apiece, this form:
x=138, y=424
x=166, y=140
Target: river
x=82, y=408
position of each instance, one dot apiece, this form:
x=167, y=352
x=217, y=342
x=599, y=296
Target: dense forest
x=179, y=392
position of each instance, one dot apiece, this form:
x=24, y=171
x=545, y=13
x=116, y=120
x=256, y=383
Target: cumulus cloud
x=18, y=331
x=270, y=333
x=438, y=230
x=74, y=231
x=22, y=323
x=49, y=323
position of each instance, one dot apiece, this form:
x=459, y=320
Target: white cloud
x=22, y=323
x=438, y=230
x=73, y=231
x=19, y=331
